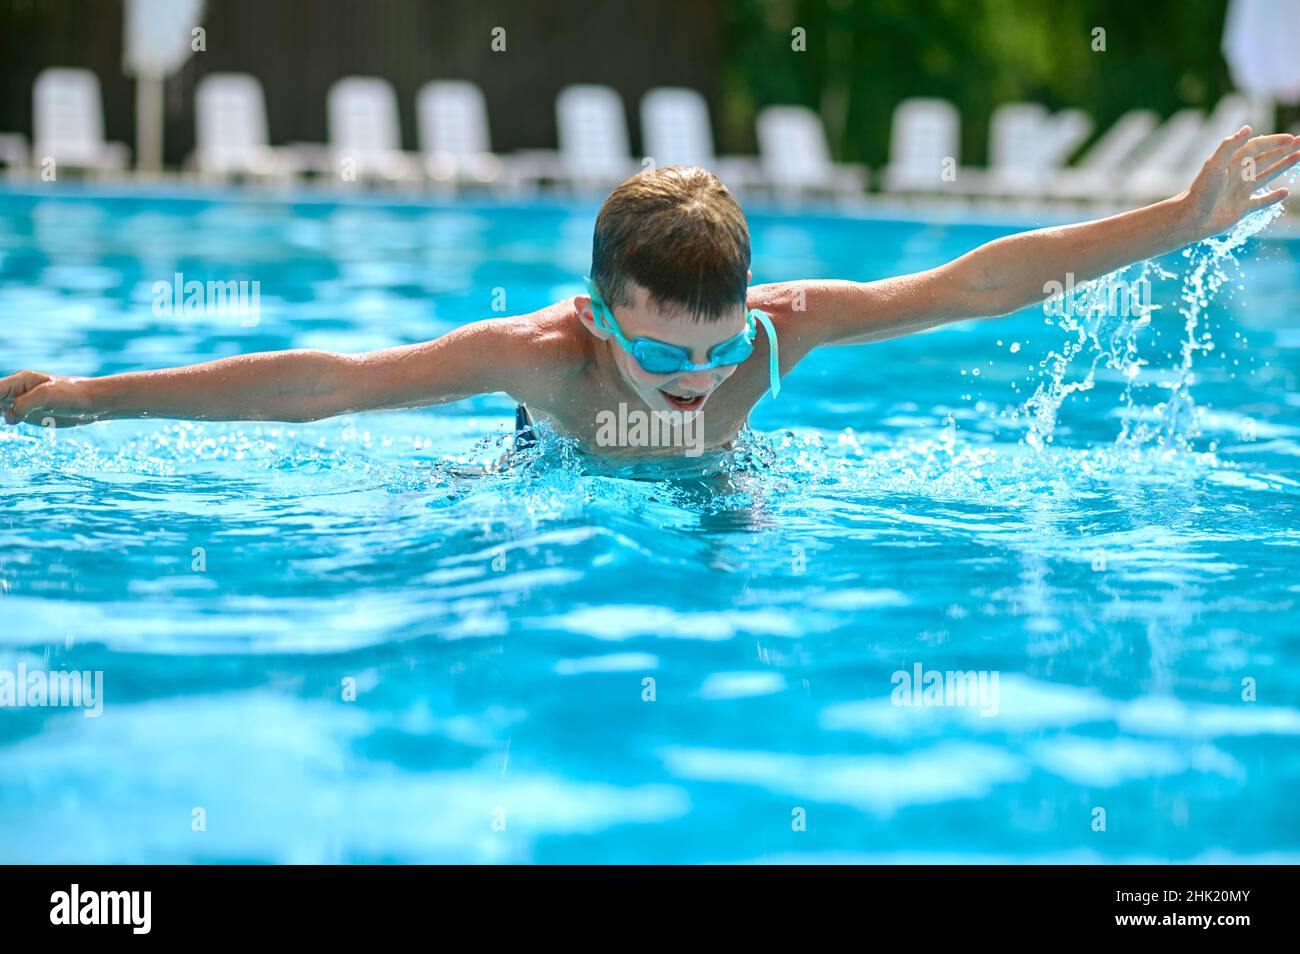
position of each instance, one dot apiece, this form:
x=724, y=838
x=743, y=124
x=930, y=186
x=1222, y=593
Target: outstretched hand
x=1224, y=190
x=35, y=398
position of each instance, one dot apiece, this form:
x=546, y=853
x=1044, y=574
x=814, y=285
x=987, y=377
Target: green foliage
x=864, y=56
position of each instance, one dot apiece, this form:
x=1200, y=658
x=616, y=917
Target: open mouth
x=682, y=403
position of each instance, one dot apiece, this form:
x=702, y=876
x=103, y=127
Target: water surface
x=563, y=663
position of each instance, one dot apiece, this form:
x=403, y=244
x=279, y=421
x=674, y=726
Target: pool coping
x=1027, y=214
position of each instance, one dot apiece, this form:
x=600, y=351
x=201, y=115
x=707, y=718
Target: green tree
x=863, y=57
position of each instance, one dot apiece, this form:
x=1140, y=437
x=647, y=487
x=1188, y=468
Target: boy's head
x=670, y=258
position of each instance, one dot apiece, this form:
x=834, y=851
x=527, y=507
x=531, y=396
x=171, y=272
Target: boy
x=669, y=326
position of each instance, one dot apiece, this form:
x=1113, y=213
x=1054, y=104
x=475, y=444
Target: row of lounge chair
x=1138, y=157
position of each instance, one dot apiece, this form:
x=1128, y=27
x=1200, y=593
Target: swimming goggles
x=660, y=357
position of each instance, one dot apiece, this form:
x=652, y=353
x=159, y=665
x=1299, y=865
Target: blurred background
x=855, y=62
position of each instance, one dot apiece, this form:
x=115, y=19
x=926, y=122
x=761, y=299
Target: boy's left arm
x=1014, y=272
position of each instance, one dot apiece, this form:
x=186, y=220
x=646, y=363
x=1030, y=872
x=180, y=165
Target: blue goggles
x=660, y=357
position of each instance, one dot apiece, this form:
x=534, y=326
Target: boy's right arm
x=478, y=358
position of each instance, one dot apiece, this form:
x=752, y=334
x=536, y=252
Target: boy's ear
x=583, y=304
x=749, y=277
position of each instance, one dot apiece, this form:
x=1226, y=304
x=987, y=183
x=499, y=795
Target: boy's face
x=688, y=391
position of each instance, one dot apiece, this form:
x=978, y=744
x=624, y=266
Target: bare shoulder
x=549, y=351
x=811, y=299
x=804, y=312
x=813, y=312
x=553, y=336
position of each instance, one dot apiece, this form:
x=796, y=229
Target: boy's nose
x=696, y=382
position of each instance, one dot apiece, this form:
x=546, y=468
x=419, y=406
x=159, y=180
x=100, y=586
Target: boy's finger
x=8, y=385
x=1277, y=168
x=1264, y=158
x=1277, y=195
x=1262, y=144
x=25, y=404
x=1230, y=143
x=16, y=384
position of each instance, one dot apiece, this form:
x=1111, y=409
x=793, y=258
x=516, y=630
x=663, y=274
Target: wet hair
x=679, y=234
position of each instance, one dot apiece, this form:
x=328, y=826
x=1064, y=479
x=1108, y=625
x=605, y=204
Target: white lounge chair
x=1231, y=113
x=1101, y=171
x=796, y=159
x=1017, y=132
x=675, y=130
x=13, y=152
x=675, y=127
x=455, y=142
x=1163, y=151
x=1027, y=146
x=231, y=136
x=68, y=121
x=1063, y=134
x=592, y=131
x=365, y=133
x=1171, y=163
x=923, y=148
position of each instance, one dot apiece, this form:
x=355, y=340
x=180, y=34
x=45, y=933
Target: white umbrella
x=1261, y=41
x=159, y=34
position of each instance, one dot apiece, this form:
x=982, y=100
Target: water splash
x=1109, y=327
x=1103, y=319
x=1209, y=262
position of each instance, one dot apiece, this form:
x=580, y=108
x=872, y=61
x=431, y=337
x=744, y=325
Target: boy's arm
x=1014, y=272
x=478, y=358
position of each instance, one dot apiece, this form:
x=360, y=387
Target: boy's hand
x=1019, y=270
x=36, y=398
x=1222, y=193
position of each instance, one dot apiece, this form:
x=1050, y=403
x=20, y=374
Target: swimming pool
x=320, y=644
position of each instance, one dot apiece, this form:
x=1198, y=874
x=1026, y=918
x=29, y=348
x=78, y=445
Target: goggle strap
x=773, y=356
x=604, y=323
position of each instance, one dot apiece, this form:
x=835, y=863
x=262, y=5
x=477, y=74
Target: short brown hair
x=679, y=234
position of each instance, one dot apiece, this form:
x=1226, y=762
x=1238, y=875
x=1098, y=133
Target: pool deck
x=1025, y=213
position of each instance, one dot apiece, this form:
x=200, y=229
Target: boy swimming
x=669, y=326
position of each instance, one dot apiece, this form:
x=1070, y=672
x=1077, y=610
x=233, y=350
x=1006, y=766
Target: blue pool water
x=568, y=664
